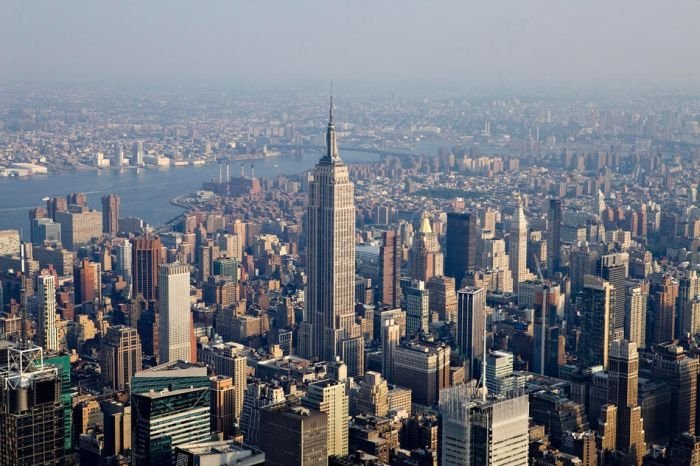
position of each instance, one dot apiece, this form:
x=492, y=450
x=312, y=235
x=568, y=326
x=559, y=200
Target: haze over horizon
x=538, y=41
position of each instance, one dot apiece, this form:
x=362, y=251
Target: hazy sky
x=374, y=40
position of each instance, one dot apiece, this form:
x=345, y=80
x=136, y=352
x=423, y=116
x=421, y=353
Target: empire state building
x=329, y=329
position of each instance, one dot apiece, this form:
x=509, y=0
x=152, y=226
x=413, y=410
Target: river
x=145, y=193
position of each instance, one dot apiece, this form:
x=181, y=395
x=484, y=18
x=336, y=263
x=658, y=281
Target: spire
x=331, y=145
x=330, y=113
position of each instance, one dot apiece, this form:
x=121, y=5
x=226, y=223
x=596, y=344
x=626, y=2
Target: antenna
x=483, y=367
x=330, y=115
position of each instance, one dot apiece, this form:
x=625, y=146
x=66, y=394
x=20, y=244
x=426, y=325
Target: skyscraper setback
x=329, y=329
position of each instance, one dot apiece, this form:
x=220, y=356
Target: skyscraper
x=174, y=313
x=293, y=435
x=490, y=431
x=79, y=225
x=110, y=214
x=45, y=229
x=461, y=245
x=554, y=236
x=636, y=298
x=87, y=281
x=613, y=269
x=424, y=368
x=329, y=397
x=390, y=269
x=471, y=318
x=596, y=304
x=426, y=259
x=47, y=335
x=664, y=310
x=223, y=399
x=417, y=308
x=623, y=379
x=443, y=298
x=123, y=252
x=31, y=409
x=147, y=257
x=165, y=419
x=330, y=298
x=517, y=251
x=120, y=356
x=391, y=334
x=673, y=366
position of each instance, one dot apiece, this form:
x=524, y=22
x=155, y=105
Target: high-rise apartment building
x=471, y=319
x=120, y=356
x=596, y=305
x=461, y=245
x=174, y=313
x=329, y=397
x=46, y=331
x=110, y=214
x=390, y=253
x=329, y=329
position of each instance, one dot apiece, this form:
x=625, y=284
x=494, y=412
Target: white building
x=174, y=312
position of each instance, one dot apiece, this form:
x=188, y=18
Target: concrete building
x=174, y=339
x=329, y=397
x=417, y=308
x=46, y=332
x=120, y=357
x=517, y=251
x=424, y=368
x=329, y=329
x=471, y=320
x=218, y=453
x=79, y=225
x=293, y=435
x=596, y=326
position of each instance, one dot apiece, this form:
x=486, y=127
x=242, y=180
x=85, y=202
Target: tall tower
x=147, y=257
x=390, y=269
x=471, y=304
x=174, y=313
x=47, y=334
x=123, y=252
x=623, y=380
x=391, y=334
x=554, y=236
x=426, y=259
x=461, y=245
x=330, y=301
x=110, y=214
x=518, y=245
x=596, y=321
